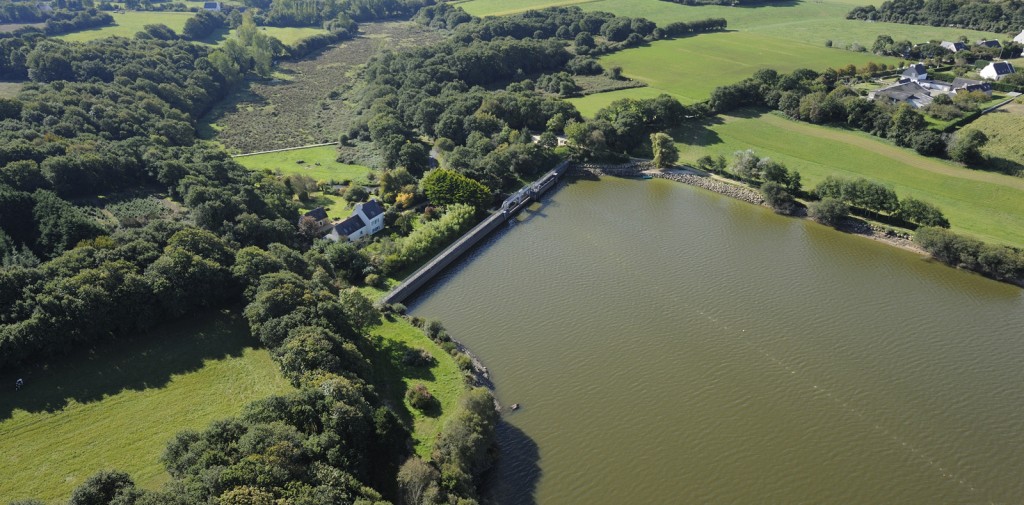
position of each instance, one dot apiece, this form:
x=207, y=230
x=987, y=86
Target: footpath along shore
x=704, y=180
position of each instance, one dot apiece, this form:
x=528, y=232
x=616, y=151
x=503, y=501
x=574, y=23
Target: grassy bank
x=1005, y=131
x=119, y=405
x=320, y=163
x=443, y=379
x=129, y=23
x=981, y=204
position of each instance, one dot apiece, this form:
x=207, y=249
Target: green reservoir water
x=669, y=345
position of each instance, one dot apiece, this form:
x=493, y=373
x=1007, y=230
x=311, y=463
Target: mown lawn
x=690, y=68
x=444, y=379
x=590, y=104
x=119, y=405
x=131, y=22
x=987, y=205
x=320, y=163
x=1005, y=131
x=336, y=206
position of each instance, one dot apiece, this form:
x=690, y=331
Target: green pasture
x=118, y=405
x=590, y=104
x=335, y=205
x=690, y=68
x=808, y=21
x=1005, y=131
x=444, y=379
x=987, y=205
x=320, y=163
x=130, y=23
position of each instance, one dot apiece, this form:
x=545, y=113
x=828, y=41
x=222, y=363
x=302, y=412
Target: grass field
x=987, y=205
x=336, y=206
x=1005, y=131
x=286, y=163
x=691, y=68
x=590, y=104
x=128, y=23
x=10, y=89
x=118, y=406
x=444, y=380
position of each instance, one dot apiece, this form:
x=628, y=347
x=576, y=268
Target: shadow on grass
x=148, y=361
x=1001, y=165
x=514, y=478
x=698, y=133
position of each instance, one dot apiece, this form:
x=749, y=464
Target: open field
x=317, y=162
x=10, y=89
x=986, y=205
x=335, y=206
x=590, y=104
x=118, y=406
x=810, y=22
x=1005, y=131
x=444, y=379
x=129, y=23
x=299, y=108
x=690, y=68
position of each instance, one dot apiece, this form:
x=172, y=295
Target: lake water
x=670, y=345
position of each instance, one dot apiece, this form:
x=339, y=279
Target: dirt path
x=302, y=106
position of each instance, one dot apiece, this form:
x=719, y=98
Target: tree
x=102, y=488
x=665, y=151
x=358, y=309
x=921, y=213
x=965, y=146
x=828, y=211
x=776, y=196
x=443, y=187
x=904, y=124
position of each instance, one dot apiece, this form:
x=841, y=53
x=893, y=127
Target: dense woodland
x=997, y=16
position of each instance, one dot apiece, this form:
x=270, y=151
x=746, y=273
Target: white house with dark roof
x=212, y=6
x=997, y=70
x=954, y=46
x=1019, y=37
x=916, y=72
x=994, y=44
x=367, y=218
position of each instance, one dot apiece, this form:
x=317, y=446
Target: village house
x=916, y=72
x=954, y=47
x=367, y=218
x=997, y=70
x=212, y=6
x=1019, y=37
x=910, y=93
x=994, y=44
x=961, y=85
x=319, y=214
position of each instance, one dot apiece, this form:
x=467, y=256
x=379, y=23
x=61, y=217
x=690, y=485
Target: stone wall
x=739, y=192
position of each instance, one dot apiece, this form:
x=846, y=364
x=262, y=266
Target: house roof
x=318, y=213
x=372, y=208
x=1001, y=67
x=983, y=87
x=916, y=69
x=349, y=226
x=989, y=43
x=954, y=46
x=905, y=92
x=971, y=84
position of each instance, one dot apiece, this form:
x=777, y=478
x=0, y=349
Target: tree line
x=981, y=15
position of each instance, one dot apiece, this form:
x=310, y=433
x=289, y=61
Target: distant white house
x=997, y=70
x=916, y=72
x=954, y=46
x=1020, y=37
x=366, y=219
x=212, y=6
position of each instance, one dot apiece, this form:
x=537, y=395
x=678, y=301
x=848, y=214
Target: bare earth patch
x=305, y=104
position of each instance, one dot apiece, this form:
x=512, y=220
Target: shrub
x=776, y=196
x=418, y=358
x=828, y=211
x=419, y=397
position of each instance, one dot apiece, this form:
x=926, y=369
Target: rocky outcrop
x=738, y=192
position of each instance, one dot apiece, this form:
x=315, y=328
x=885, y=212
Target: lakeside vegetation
x=985, y=205
x=118, y=406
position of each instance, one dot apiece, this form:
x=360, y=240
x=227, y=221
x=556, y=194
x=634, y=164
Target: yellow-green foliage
x=985, y=205
x=429, y=237
x=119, y=406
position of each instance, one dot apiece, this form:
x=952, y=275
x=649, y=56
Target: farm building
x=997, y=70
x=366, y=219
x=916, y=72
x=910, y=93
x=954, y=46
x=212, y=6
x=961, y=85
x=1019, y=37
x=994, y=44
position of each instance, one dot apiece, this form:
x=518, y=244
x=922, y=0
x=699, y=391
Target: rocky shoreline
x=637, y=168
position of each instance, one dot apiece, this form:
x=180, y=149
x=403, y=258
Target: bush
x=776, y=196
x=420, y=398
x=418, y=358
x=828, y=211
